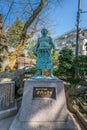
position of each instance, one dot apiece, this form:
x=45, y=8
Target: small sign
x=7, y=95
x=44, y=92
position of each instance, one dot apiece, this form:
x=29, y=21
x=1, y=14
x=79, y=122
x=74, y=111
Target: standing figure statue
x=43, y=52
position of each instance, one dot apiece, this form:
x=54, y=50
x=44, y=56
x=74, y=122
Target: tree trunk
x=18, y=50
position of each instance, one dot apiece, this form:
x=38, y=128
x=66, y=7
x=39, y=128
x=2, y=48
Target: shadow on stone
x=43, y=113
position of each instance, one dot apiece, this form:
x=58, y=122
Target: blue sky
x=66, y=16
x=61, y=17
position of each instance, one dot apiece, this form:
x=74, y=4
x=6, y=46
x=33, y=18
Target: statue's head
x=44, y=31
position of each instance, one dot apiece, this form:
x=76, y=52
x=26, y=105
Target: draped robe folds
x=42, y=49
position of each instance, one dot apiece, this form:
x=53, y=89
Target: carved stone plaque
x=44, y=92
x=7, y=94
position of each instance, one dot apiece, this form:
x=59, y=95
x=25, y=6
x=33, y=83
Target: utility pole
x=78, y=26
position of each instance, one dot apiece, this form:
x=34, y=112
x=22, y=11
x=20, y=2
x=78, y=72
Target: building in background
x=69, y=40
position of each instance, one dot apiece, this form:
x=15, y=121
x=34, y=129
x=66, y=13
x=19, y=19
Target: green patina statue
x=43, y=52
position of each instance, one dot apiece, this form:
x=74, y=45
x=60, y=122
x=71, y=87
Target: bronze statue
x=43, y=52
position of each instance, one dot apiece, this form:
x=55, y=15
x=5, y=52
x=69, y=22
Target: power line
x=30, y=6
x=83, y=11
x=9, y=11
x=34, y=3
x=59, y=3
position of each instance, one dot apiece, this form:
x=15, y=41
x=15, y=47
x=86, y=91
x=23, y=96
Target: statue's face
x=44, y=32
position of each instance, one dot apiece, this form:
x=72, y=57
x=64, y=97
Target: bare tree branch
x=32, y=18
x=18, y=50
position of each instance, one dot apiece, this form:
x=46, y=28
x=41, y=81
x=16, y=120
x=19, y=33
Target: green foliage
x=74, y=69
x=29, y=71
x=14, y=32
x=74, y=80
x=29, y=48
x=79, y=70
x=85, y=115
x=65, y=61
x=55, y=59
x=80, y=65
x=56, y=71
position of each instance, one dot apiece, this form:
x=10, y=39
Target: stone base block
x=43, y=107
x=19, y=125
x=35, y=108
x=6, y=123
x=9, y=112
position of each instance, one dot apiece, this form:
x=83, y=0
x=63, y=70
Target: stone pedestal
x=8, y=106
x=43, y=107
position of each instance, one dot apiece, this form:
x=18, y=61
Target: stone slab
x=43, y=113
x=6, y=123
x=19, y=125
x=43, y=109
x=9, y=112
x=7, y=95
